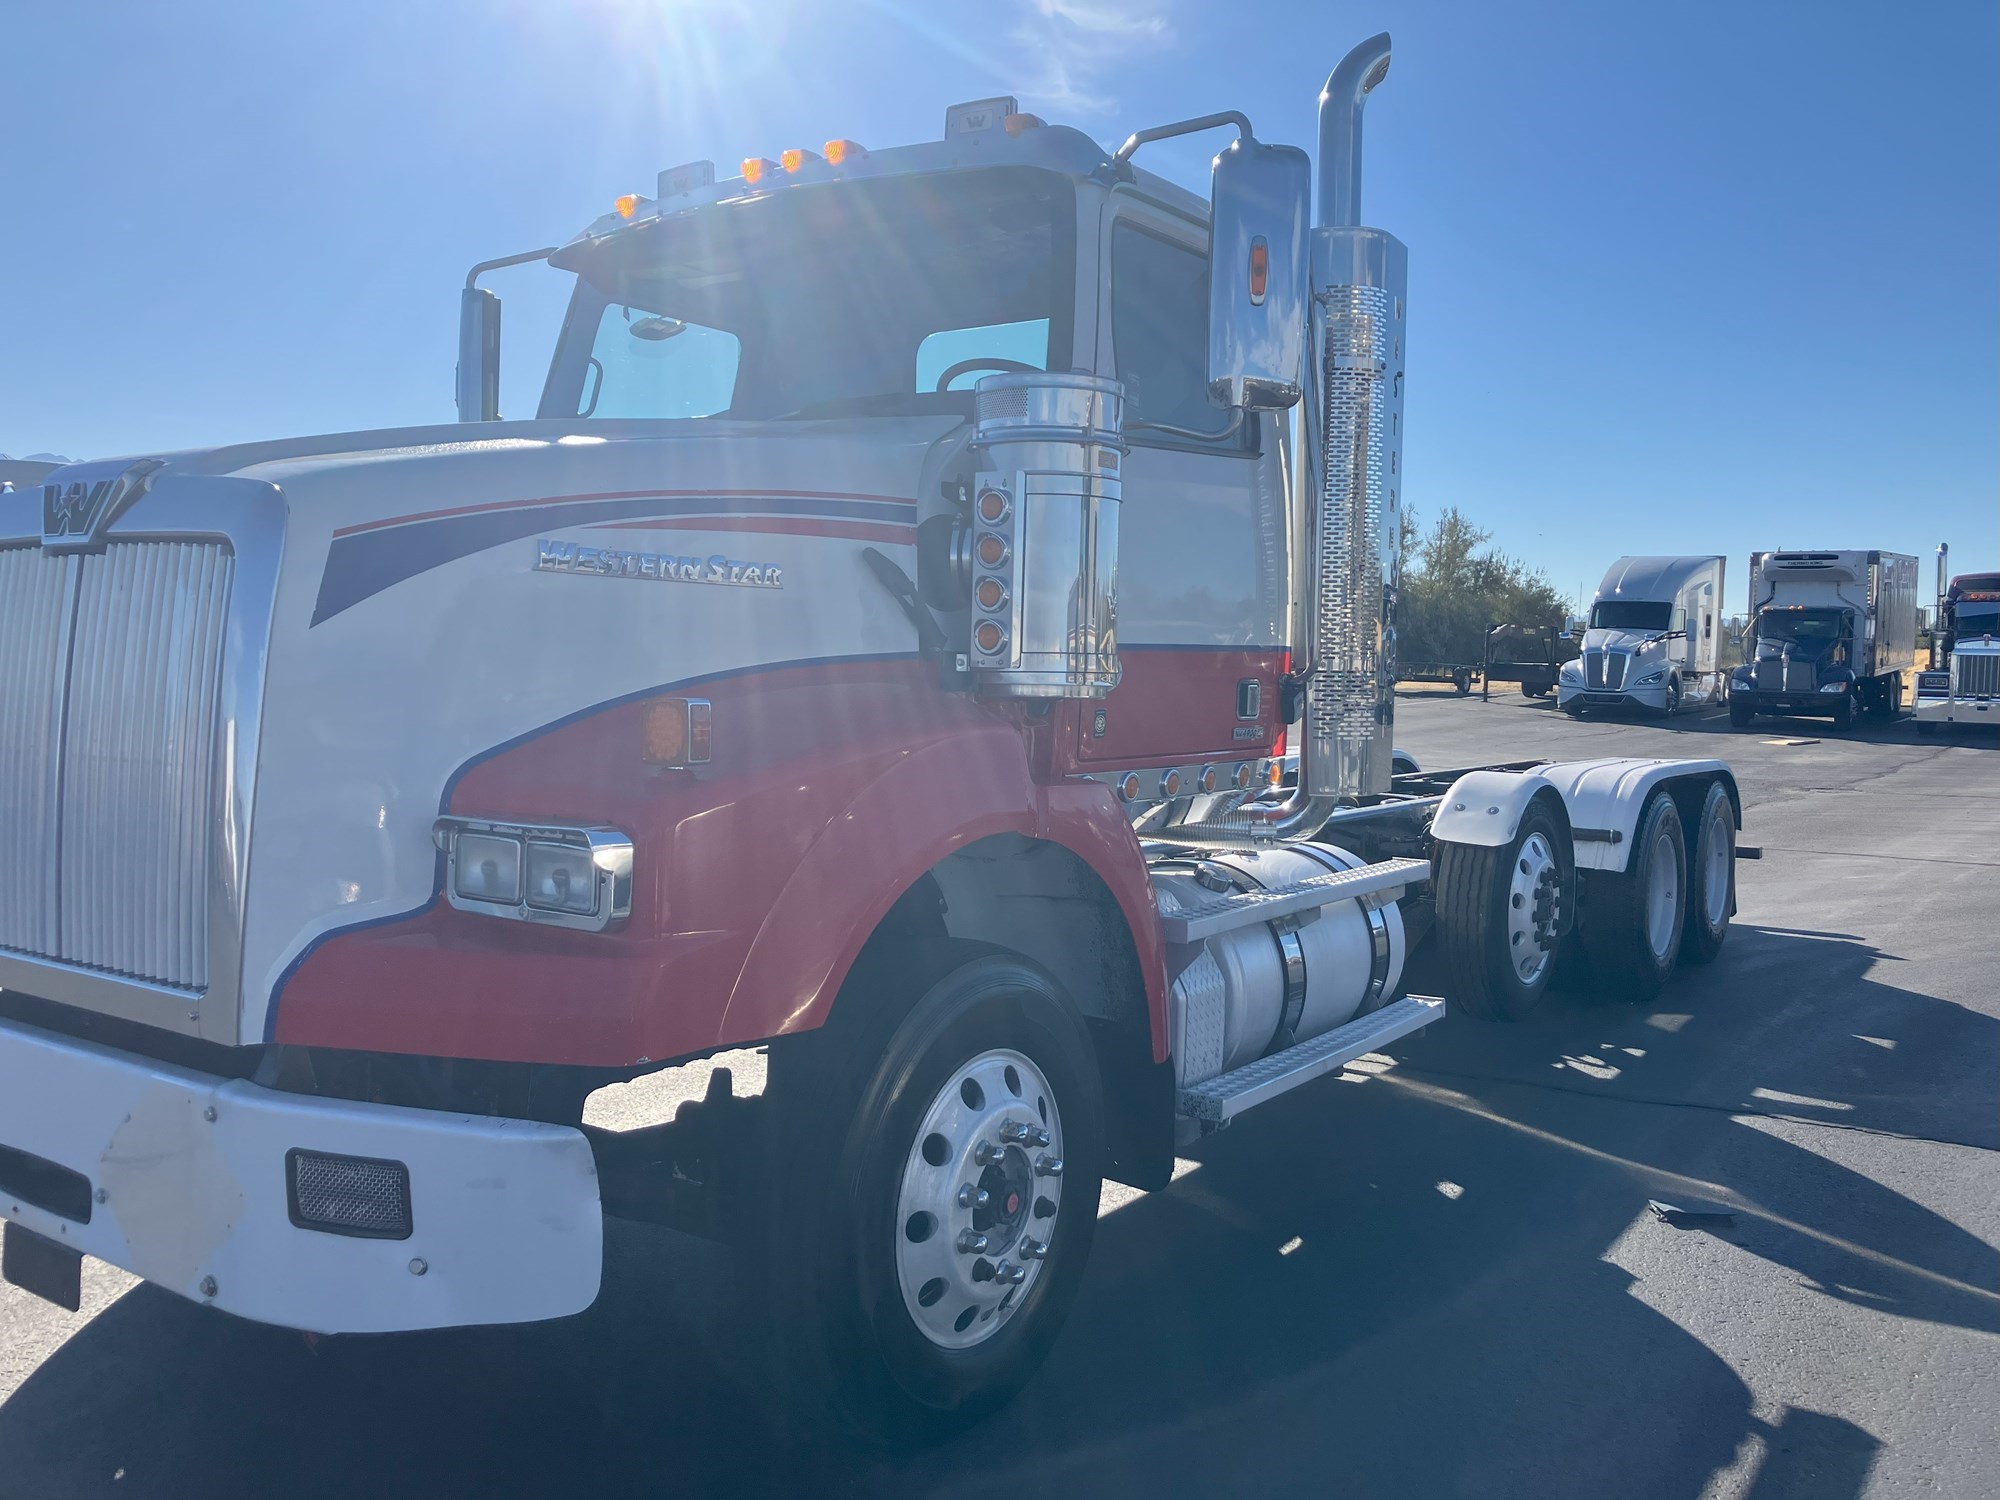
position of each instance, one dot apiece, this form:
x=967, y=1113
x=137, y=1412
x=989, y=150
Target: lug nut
x=985, y=1153
x=1015, y=1133
x=1048, y=1166
x=1033, y=1249
x=973, y=1197
x=1041, y=1137
x=971, y=1242
x=982, y=1270
x=1009, y=1274
x=1045, y=1208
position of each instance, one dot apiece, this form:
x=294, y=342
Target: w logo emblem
x=75, y=514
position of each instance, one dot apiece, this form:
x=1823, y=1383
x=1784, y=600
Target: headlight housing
x=561, y=877
x=1651, y=677
x=1570, y=672
x=1834, y=687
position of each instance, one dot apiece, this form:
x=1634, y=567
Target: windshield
x=828, y=300
x=1630, y=614
x=1807, y=632
x=1972, y=620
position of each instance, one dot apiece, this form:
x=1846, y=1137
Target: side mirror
x=478, y=355
x=1260, y=198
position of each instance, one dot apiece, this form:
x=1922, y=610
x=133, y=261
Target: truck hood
x=1638, y=642
x=567, y=439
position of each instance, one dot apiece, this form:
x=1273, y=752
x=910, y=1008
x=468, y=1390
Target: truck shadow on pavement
x=1438, y=1279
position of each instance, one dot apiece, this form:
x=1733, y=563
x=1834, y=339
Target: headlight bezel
x=605, y=852
x=1835, y=687
x=1657, y=675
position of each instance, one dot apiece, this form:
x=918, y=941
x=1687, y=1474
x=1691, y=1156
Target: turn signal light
x=1260, y=269
x=678, y=732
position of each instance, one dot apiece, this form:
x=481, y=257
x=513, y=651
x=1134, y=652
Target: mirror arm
x=472, y=276
x=1139, y=138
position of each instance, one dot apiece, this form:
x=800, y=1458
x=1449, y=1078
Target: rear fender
x=1606, y=797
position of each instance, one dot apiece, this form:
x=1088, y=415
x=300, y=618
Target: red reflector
x=1260, y=269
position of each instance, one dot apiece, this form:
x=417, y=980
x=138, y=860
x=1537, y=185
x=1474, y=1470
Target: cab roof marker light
x=627, y=204
x=758, y=168
x=796, y=158
x=838, y=152
x=1016, y=124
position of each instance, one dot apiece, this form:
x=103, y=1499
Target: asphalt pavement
x=1434, y=1276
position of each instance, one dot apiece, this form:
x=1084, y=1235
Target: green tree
x=1455, y=586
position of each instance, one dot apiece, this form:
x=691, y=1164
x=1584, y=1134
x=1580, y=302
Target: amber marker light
x=627, y=204
x=757, y=168
x=992, y=550
x=989, y=637
x=993, y=506
x=677, y=732
x=1260, y=270
x=837, y=152
x=991, y=593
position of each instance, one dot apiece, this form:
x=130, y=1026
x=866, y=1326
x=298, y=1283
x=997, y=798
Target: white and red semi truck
x=797, y=677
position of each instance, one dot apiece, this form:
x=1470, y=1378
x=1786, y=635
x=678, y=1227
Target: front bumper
x=1792, y=705
x=1974, y=711
x=1650, y=699
x=188, y=1189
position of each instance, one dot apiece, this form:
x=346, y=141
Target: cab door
x=1203, y=586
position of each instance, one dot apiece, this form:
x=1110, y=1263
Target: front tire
x=1843, y=711
x=905, y=1302
x=1631, y=922
x=1673, y=696
x=1711, y=883
x=1500, y=915
x=1741, y=714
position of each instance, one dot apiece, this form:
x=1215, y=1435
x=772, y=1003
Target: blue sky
x=1691, y=278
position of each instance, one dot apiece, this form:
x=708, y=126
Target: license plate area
x=45, y=1267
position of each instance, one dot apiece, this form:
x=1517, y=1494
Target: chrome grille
x=1974, y=676
x=110, y=775
x=34, y=611
x=1604, y=671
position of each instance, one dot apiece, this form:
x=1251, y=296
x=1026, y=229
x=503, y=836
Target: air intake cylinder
x=1044, y=536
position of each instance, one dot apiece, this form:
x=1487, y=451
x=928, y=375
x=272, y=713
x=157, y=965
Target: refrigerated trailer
x=1831, y=635
x=793, y=679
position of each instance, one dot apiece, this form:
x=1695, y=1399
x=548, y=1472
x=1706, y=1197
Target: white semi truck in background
x=792, y=680
x=1830, y=635
x=1961, y=683
x=1651, y=639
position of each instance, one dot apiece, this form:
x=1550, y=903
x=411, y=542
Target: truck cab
x=1961, y=685
x=1650, y=640
x=1831, y=634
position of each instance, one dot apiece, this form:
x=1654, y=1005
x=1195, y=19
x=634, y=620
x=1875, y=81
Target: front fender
x=930, y=803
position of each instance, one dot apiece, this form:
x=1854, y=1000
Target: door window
x=1159, y=327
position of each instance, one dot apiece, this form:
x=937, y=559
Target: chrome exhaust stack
x=1348, y=479
x=1354, y=456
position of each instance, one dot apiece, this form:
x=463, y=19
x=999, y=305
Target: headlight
x=1652, y=677
x=1834, y=687
x=1571, y=672
x=565, y=877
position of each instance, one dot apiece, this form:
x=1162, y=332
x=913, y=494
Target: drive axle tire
x=1631, y=922
x=935, y=1182
x=1711, y=883
x=1500, y=915
x=1741, y=714
x=1462, y=680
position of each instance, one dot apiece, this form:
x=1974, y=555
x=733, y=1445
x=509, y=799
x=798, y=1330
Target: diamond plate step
x=1203, y=920
x=1219, y=1100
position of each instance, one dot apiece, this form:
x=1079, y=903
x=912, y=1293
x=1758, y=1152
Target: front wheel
x=1740, y=714
x=1673, y=696
x=936, y=1200
x=1843, y=711
x=1631, y=922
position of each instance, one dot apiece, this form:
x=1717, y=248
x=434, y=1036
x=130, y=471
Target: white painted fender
x=1485, y=807
x=1603, y=798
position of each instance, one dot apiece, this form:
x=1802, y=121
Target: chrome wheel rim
x=979, y=1200
x=1663, y=890
x=1534, y=908
x=1718, y=842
